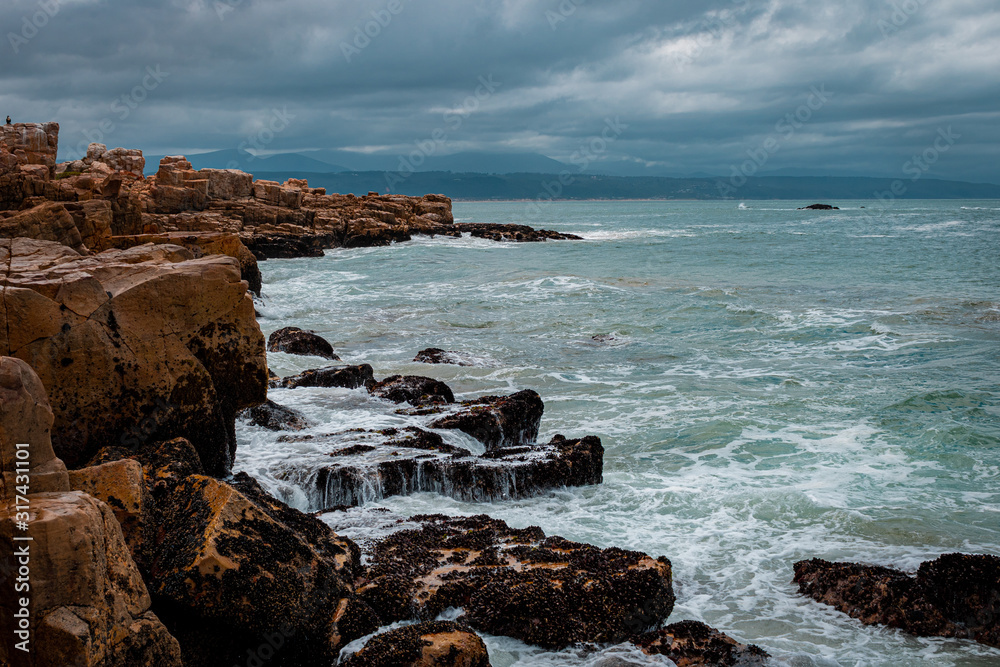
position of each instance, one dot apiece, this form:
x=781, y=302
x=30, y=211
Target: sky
x=707, y=87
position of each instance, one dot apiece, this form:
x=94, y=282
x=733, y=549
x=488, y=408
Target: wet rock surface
x=430, y=644
x=819, y=207
x=434, y=355
x=365, y=466
x=413, y=389
x=690, y=643
x=517, y=582
x=346, y=377
x=293, y=340
x=275, y=417
x=517, y=233
x=956, y=595
x=498, y=421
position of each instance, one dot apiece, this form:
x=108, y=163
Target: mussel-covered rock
x=293, y=340
x=690, y=643
x=430, y=644
x=956, y=595
x=413, y=389
x=498, y=421
x=347, y=377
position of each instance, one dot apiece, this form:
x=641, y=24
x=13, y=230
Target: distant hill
x=467, y=162
x=545, y=186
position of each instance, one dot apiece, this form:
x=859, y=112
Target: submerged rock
x=347, y=377
x=957, y=595
x=518, y=233
x=498, y=421
x=293, y=340
x=430, y=644
x=275, y=417
x=690, y=643
x=545, y=591
x=819, y=207
x=365, y=466
x=435, y=355
x=413, y=389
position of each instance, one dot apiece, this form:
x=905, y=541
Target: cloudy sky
x=853, y=86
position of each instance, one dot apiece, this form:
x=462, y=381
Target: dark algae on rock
x=956, y=595
x=429, y=644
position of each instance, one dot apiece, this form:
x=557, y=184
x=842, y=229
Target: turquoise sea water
x=770, y=385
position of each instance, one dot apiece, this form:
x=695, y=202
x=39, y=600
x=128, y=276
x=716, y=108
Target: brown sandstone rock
x=293, y=340
x=32, y=143
x=89, y=605
x=134, y=345
x=46, y=222
x=430, y=644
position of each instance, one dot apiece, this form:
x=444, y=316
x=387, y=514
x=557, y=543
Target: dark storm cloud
x=702, y=86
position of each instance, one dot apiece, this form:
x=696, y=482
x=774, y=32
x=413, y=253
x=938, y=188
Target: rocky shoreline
x=129, y=348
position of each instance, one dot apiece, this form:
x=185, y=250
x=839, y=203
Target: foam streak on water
x=770, y=384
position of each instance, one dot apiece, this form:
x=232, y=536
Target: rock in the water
x=365, y=466
x=691, y=644
x=134, y=345
x=430, y=644
x=275, y=417
x=89, y=605
x=498, y=421
x=293, y=340
x=413, y=389
x=347, y=377
x=546, y=591
x=819, y=207
x=435, y=355
x=957, y=595
x=517, y=233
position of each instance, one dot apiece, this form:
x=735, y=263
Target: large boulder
x=293, y=340
x=545, y=591
x=691, y=644
x=956, y=595
x=429, y=644
x=32, y=143
x=88, y=602
x=413, y=389
x=135, y=345
x=498, y=421
x=49, y=221
x=347, y=377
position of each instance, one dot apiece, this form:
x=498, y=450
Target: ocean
x=770, y=385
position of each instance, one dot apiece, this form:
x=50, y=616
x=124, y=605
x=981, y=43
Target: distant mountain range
x=483, y=175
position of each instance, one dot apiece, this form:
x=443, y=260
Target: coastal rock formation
x=430, y=644
x=517, y=233
x=435, y=355
x=498, y=421
x=365, y=466
x=819, y=207
x=413, y=389
x=89, y=605
x=956, y=595
x=347, y=377
x=545, y=591
x=32, y=143
x=690, y=643
x=275, y=417
x=293, y=340
x=133, y=345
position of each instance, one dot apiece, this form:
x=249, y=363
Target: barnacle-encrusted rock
x=293, y=340
x=413, y=389
x=275, y=417
x=347, y=377
x=430, y=644
x=956, y=595
x=498, y=421
x=516, y=582
x=694, y=644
